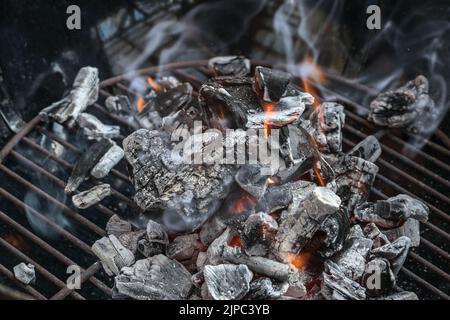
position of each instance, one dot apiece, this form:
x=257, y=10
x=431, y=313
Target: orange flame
x=235, y=241
x=140, y=104
x=318, y=175
x=299, y=260
x=268, y=108
x=155, y=86
x=313, y=73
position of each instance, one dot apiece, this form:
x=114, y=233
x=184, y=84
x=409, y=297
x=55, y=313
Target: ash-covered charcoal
x=258, y=233
x=229, y=66
x=327, y=122
x=337, y=286
x=91, y=197
x=169, y=101
x=118, y=105
x=408, y=107
x=275, y=198
x=372, y=232
x=378, y=278
x=131, y=239
x=112, y=254
x=211, y=230
x=392, y=212
x=109, y=160
x=228, y=281
x=86, y=163
x=368, y=149
x=396, y=252
x=94, y=129
x=303, y=222
x=183, y=247
x=187, y=194
x=403, y=295
x=250, y=179
x=335, y=228
x=25, y=273
x=155, y=278
x=116, y=226
x=271, y=84
x=198, y=279
x=156, y=240
x=202, y=258
x=352, y=258
x=84, y=93
x=266, y=288
x=215, y=250
x=354, y=179
x=410, y=228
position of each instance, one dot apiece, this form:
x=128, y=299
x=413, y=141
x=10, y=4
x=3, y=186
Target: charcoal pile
x=291, y=220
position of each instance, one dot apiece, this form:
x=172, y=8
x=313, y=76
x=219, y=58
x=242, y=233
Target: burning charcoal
x=271, y=84
x=167, y=102
x=266, y=288
x=337, y=286
x=259, y=232
x=352, y=258
x=118, y=105
x=25, y=273
x=410, y=229
x=408, y=107
x=85, y=164
x=113, y=255
x=372, y=232
x=228, y=281
x=187, y=194
x=156, y=240
x=251, y=180
x=335, y=228
x=378, y=278
x=94, y=129
x=117, y=226
x=392, y=212
x=275, y=198
x=403, y=295
x=91, y=197
x=215, y=250
x=396, y=252
x=130, y=240
x=229, y=66
x=327, y=122
x=83, y=94
x=303, y=222
x=183, y=247
x=369, y=149
x=210, y=230
x=155, y=278
x=107, y=162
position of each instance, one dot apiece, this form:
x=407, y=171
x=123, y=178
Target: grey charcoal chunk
x=229, y=66
x=169, y=101
x=369, y=149
x=228, y=281
x=328, y=121
x=155, y=278
x=183, y=247
x=118, y=104
x=94, y=129
x=403, y=295
x=335, y=228
x=266, y=288
x=187, y=194
x=117, y=226
x=130, y=240
x=410, y=229
x=301, y=224
x=201, y=260
x=156, y=240
x=352, y=259
x=395, y=252
x=211, y=230
x=408, y=107
x=112, y=254
x=250, y=179
x=271, y=84
x=217, y=247
x=109, y=160
x=91, y=197
x=84, y=93
x=378, y=278
x=337, y=286
x=372, y=232
x=25, y=273
x=392, y=212
x=258, y=234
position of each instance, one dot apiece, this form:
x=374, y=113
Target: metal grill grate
x=425, y=175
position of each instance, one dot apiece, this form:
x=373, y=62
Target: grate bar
x=28, y=288
x=425, y=284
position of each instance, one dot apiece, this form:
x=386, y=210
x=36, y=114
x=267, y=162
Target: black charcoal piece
x=250, y=179
x=131, y=239
x=258, y=233
x=156, y=240
x=352, y=258
x=109, y=160
x=91, y=197
x=85, y=164
x=155, y=278
x=25, y=273
x=271, y=84
x=275, y=198
x=172, y=100
x=337, y=286
x=228, y=281
x=117, y=226
x=112, y=254
x=266, y=288
x=94, y=129
x=368, y=149
x=378, y=278
x=410, y=229
x=211, y=230
x=327, y=122
x=408, y=107
x=84, y=93
x=372, y=232
x=229, y=66
x=396, y=252
x=118, y=105
x=335, y=228
x=183, y=247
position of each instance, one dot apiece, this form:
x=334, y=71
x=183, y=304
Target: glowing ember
x=242, y=205
x=311, y=72
x=155, y=86
x=318, y=175
x=140, y=104
x=235, y=241
x=299, y=260
x=268, y=108
x=270, y=181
